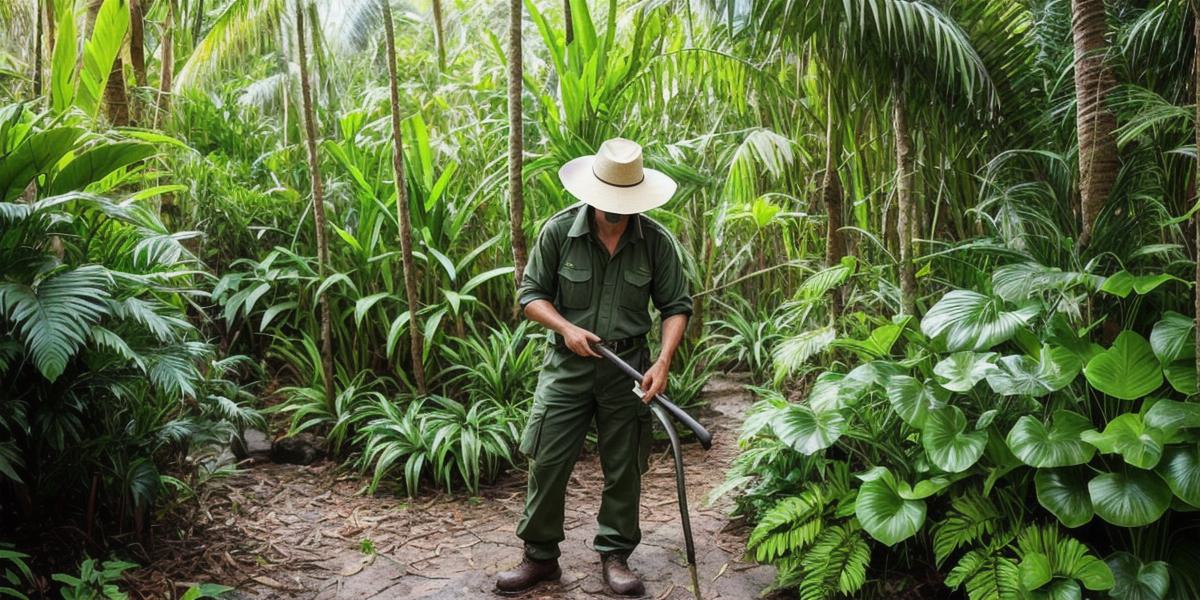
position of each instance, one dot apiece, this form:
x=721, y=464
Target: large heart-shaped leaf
x=885, y=515
x=1173, y=338
x=1064, y=492
x=1180, y=468
x=1058, y=445
x=1181, y=374
x=968, y=320
x=808, y=431
x=1024, y=376
x=835, y=391
x=960, y=371
x=1035, y=571
x=1127, y=370
x=1129, y=497
x=1170, y=415
x=1058, y=589
x=1137, y=581
x=948, y=443
x=1127, y=435
x=913, y=400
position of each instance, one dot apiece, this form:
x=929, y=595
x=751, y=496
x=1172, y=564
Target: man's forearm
x=673, y=328
x=543, y=312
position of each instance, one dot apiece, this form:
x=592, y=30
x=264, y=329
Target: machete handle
x=679, y=414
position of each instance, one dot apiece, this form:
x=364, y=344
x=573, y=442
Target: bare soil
x=281, y=531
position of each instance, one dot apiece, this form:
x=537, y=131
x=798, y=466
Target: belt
x=618, y=346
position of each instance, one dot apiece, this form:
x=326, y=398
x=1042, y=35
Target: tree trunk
x=1094, y=122
x=906, y=213
x=402, y=205
x=37, y=50
x=167, y=60
x=116, y=102
x=137, y=42
x=318, y=199
x=516, y=144
x=831, y=196
x=568, y=24
x=439, y=34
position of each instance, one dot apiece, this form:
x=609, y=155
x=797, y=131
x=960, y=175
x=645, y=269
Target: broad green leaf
x=54, y=316
x=1064, y=492
x=1180, y=468
x=968, y=320
x=1170, y=415
x=1058, y=445
x=1127, y=370
x=108, y=36
x=1021, y=375
x=913, y=400
x=1128, y=436
x=926, y=487
x=97, y=163
x=35, y=156
x=1173, y=338
x=1134, y=580
x=960, y=371
x=883, y=513
x=1123, y=282
x=1021, y=281
x=878, y=345
x=808, y=431
x=835, y=391
x=364, y=304
x=66, y=49
x=1058, y=589
x=1181, y=374
x=948, y=443
x=1129, y=497
x=1035, y=570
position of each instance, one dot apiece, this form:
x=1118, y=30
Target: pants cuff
x=541, y=551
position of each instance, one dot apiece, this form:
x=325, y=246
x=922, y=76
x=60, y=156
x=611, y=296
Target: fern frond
x=836, y=563
x=971, y=516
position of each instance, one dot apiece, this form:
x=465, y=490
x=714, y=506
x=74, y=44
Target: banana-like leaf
x=883, y=513
x=62, y=64
x=968, y=320
x=97, y=163
x=108, y=35
x=1127, y=370
x=1058, y=445
x=1128, y=436
x=35, y=156
x=1129, y=497
x=1064, y=492
x=948, y=443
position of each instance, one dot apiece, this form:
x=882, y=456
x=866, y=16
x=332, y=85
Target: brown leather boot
x=526, y=575
x=620, y=579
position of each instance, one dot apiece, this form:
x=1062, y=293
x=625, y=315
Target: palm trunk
x=439, y=34
x=137, y=42
x=831, y=195
x=167, y=60
x=116, y=101
x=568, y=24
x=402, y=205
x=318, y=198
x=1094, y=122
x=516, y=200
x=906, y=213
x=37, y=51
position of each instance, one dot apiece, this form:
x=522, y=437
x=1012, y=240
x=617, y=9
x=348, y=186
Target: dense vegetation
x=951, y=241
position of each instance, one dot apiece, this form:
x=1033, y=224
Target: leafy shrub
x=995, y=426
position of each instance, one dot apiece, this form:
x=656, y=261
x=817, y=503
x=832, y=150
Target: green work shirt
x=607, y=295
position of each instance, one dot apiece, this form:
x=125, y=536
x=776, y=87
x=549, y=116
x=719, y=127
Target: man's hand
x=654, y=380
x=580, y=340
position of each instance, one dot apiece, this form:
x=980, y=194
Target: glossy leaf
x=1024, y=376
x=1135, y=580
x=960, y=371
x=1064, y=492
x=1173, y=338
x=1056, y=445
x=808, y=431
x=912, y=399
x=1169, y=415
x=1128, y=436
x=885, y=515
x=967, y=320
x=1127, y=370
x=1180, y=468
x=1129, y=497
x=948, y=443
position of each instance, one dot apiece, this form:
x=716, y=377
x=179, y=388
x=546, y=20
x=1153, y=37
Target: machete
x=660, y=406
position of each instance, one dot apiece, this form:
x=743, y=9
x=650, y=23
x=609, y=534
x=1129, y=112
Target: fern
x=987, y=575
x=54, y=315
x=788, y=527
x=970, y=518
x=836, y=563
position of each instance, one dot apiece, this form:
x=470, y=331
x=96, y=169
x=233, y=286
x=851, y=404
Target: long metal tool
x=661, y=406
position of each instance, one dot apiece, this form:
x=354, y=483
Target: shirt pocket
x=575, y=286
x=635, y=289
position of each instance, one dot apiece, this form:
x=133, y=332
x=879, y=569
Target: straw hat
x=614, y=181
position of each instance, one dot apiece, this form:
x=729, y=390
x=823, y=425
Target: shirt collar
x=582, y=225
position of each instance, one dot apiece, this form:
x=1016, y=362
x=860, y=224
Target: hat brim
x=654, y=190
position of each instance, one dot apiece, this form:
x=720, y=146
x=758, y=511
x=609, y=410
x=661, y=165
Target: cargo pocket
x=575, y=286
x=635, y=293
x=531, y=438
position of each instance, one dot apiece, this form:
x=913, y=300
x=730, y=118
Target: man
x=596, y=268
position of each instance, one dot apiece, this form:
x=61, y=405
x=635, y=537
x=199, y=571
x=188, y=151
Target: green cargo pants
x=572, y=391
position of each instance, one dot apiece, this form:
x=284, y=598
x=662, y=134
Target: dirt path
x=279, y=531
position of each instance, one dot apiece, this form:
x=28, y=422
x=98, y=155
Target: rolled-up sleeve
x=670, y=288
x=540, y=280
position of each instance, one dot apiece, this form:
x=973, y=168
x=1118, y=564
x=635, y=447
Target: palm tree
x=318, y=198
x=516, y=200
x=166, y=60
x=438, y=32
x=1095, y=123
x=402, y=204
x=568, y=26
